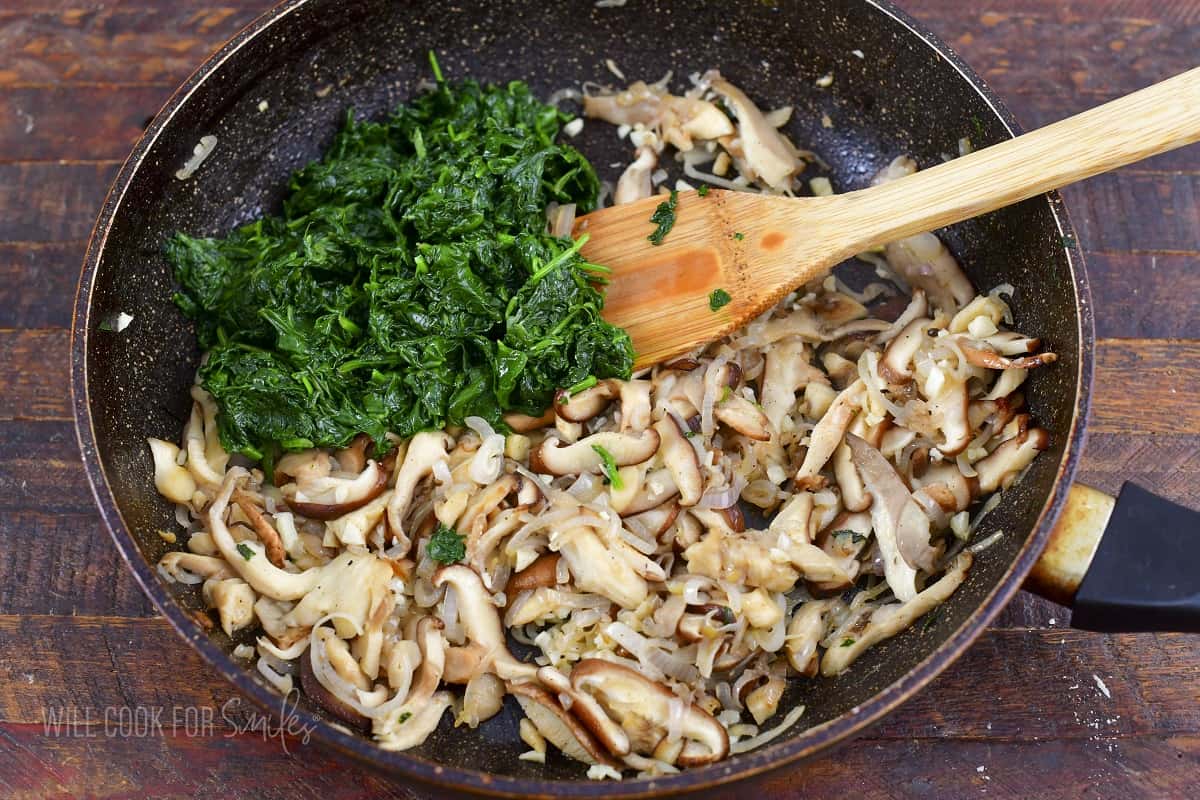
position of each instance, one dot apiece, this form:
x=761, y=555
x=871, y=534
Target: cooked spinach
x=718, y=299
x=664, y=218
x=408, y=283
x=446, y=545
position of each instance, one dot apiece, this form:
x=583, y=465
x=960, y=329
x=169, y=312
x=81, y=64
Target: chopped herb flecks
x=664, y=218
x=245, y=550
x=847, y=642
x=703, y=190
x=446, y=546
x=718, y=298
x=609, y=465
x=739, y=236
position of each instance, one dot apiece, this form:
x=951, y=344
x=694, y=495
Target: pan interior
x=276, y=103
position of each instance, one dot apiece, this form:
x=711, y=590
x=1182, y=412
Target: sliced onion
x=722, y=497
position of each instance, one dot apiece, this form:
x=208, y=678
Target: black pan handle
x=1126, y=564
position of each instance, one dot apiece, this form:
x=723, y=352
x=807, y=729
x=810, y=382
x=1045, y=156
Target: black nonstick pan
x=273, y=98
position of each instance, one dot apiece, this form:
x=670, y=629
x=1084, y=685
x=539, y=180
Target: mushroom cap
x=553, y=458
x=559, y=727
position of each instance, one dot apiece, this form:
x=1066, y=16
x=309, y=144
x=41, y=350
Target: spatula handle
x=1154, y=120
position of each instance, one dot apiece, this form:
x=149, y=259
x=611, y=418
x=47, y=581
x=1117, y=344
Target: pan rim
x=775, y=756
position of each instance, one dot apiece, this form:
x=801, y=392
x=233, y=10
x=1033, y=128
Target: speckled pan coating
x=274, y=96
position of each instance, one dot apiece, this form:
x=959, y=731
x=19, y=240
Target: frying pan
x=277, y=92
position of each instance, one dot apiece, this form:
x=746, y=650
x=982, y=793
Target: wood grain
x=1059, y=706
x=1021, y=704
x=51, y=202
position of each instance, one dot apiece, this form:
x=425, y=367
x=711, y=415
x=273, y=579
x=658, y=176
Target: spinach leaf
x=408, y=283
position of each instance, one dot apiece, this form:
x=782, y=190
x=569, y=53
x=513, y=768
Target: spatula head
x=746, y=245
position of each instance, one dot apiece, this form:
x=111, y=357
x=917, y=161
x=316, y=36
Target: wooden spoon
x=758, y=248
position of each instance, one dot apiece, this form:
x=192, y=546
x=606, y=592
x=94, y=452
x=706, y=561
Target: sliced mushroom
x=681, y=460
x=351, y=584
x=331, y=497
x=523, y=423
x=482, y=699
x=543, y=572
x=482, y=621
x=889, y=620
x=901, y=527
x=634, y=183
x=1002, y=466
x=925, y=262
x=980, y=357
x=481, y=506
x=410, y=723
x=805, y=629
x=353, y=457
x=855, y=496
x=597, y=568
x=743, y=416
x=787, y=371
x=828, y=434
x=262, y=528
x=424, y=450
x=896, y=365
x=842, y=540
x=560, y=728
x=763, y=702
x=654, y=489
x=654, y=523
x=170, y=479
x=234, y=601
x=584, y=456
x=918, y=306
x=582, y=406
x=303, y=467
x=949, y=408
x=635, y=405
x=767, y=154
x=193, y=567
x=327, y=700
x=353, y=528
x=643, y=709
x=533, y=605
x=206, y=458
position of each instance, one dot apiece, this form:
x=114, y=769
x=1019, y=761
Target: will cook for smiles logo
x=232, y=718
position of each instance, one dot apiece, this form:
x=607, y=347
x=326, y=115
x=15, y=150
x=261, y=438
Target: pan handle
x=1124, y=564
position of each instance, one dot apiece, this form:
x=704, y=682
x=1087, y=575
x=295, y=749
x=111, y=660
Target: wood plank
x=42, y=124
x=40, y=470
x=35, y=373
x=1041, y=686
x=64, y=564
x=1168, y=465
x=1145, y=295
x=45, y=202
x=181, y=767
x=176, y=766
x=1140, y=212
x=1146, y=386
x=37, y=283
x=1100, y=769
x=87, y=42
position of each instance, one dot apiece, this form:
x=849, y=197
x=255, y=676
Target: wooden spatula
x=757, y=248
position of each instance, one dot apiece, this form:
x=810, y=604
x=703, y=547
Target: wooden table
x=1027, y=713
